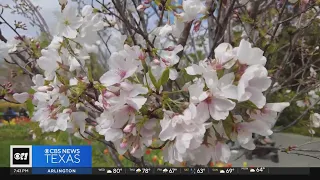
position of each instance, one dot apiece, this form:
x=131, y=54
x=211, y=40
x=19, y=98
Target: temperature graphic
x=146, y=170
x=260, y=169
x=230, y=170
x=201, y=170
x=116, y=170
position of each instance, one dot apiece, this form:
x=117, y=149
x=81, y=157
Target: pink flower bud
x=156, y=61
x=38, y=45
x=197, y=25
x=108, y=94
x=142, y=56
x=170, y=48
x=129, y=128
x=8, y=85
x=10, y=91
x=134, y=149
x=265, y=110
x=123, y=144
x=141, y=8
x=218, y=66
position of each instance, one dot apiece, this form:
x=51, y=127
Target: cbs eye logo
x=20, y=156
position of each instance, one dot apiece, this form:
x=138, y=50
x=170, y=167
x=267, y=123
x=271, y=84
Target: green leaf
x=164, y=77
x=169, y=8
x=246, y=18
x=90, y=73
x=145, y=66
x=30, y=107
x=63, y=80
x=31, y=91
x=168, y=5
x=272, y=71
x=158, y=2
x=228, y=125
x=220, y=73
x=262, y=32
x=168, y=2
x=153, y=80
x=99, y=86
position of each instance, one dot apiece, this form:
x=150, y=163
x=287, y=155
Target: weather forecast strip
x=202, y=171
x=166, y=171
x=29, y=159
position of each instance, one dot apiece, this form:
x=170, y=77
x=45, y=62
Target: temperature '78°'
x=145, y=170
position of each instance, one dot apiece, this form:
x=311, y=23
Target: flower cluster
x=66, y=55
x=311, y=99
x=310, y=103
x=236, y=75
x=133, y=99
x=314, y=122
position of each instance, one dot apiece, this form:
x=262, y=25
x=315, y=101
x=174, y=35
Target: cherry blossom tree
x=193, y=74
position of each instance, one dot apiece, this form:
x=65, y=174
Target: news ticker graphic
x=45, y=159
x=167, y=171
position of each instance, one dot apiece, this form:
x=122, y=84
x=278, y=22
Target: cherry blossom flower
x=78, y=122
x=148, y=131
x=130, y=108
x=244, y=130
x=38, y=81
x=191, y=9
x=186, y=129
x=269, y=113
x=213, y=102
x=62, y=120
x=49, y=62
x=163, y=31
x=225, y=55
x=21, y=97
x=7, y=48
x=252, y=83
x=248, y=55
x=108, y=128
x=120, y=69
x=315, y=120
x=69, y=22
x=212, y=149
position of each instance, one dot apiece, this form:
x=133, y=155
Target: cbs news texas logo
x=21, y=156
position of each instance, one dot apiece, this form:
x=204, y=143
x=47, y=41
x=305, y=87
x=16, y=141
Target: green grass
x=19, y=135
x=302, y=131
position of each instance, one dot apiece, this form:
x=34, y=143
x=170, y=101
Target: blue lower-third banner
x=62, y=170
x=61, y=159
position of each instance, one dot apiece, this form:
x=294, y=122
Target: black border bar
x=174, y=171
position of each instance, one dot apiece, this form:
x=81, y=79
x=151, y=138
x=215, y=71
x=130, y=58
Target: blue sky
x=48, y=8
